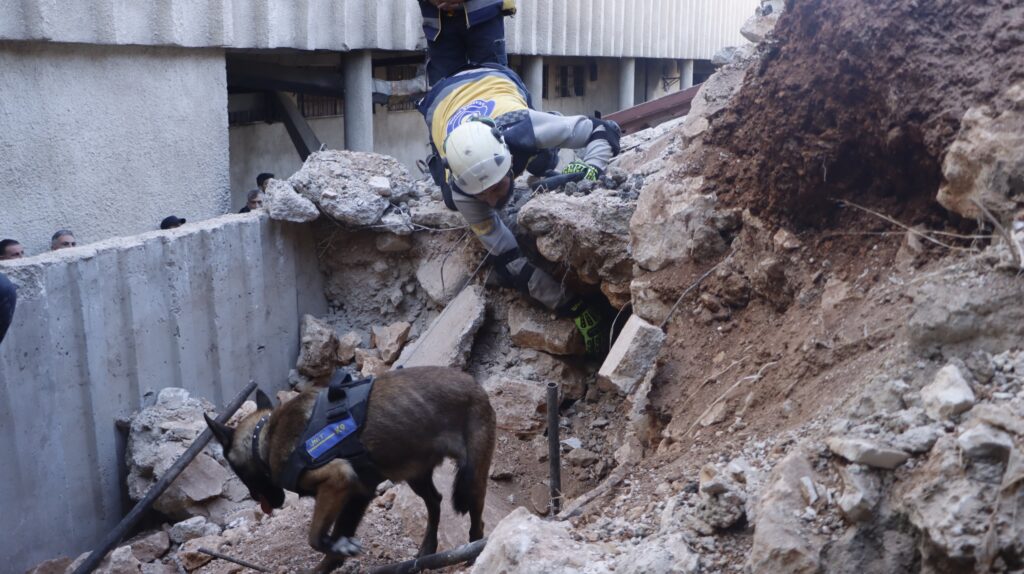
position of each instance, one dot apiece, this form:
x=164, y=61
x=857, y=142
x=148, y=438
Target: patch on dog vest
x=329, y=436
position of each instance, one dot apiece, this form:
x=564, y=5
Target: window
x=579, y=81
x=563, y=82
x=544, y=84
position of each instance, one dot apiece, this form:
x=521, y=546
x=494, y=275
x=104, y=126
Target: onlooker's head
x=255, y=199
x=261, y=180
x=62, y=239
x=11, y=249
x=171, y=222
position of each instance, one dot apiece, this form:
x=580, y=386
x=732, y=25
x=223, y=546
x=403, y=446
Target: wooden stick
x=133, y=516
x=249, y=565
x=463, y=553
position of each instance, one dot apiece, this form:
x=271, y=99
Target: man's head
x=262, y=179
x=478, y=158
x=62, y=239
x=172, y=222
x=255, y=199
x=11, y=249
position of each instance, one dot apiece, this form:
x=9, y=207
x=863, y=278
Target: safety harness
x=332, y=432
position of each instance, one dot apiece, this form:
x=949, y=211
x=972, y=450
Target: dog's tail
x=470, y=487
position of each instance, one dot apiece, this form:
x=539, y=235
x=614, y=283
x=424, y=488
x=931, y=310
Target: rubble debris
x=861, y=491
x=449, y=338
x=150, y=547
x=442, y=275
x=390, y=340
x=522, y=538
x=347, y=345
x=284, y=204
x=672, y=223
x=631, y=356
x=781, y=543
x=519, y=405
x=318, y=349
x=533, y=328
x=866, y=452
x=760, y=25
x=346, y=184
x=948, y=395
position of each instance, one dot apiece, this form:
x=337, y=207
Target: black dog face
x=238, y=452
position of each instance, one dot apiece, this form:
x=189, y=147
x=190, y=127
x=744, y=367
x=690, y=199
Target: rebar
x=554, y=454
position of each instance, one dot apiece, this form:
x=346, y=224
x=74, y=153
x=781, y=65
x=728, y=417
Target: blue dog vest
x=333, y=432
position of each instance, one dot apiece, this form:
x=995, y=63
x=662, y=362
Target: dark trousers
x=8, y=296
x=458, y=45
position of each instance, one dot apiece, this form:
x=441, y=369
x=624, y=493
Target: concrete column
x=685, y=74
x=534, y=78
x=359, y=101
x=627, y=82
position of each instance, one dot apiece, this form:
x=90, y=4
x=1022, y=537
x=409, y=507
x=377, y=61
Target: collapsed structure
x=840, y=398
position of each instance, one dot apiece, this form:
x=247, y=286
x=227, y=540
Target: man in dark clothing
x=8, y=298
x=460, y=33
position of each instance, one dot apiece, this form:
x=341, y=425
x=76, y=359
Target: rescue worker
x=485, y=133
x=460, y=33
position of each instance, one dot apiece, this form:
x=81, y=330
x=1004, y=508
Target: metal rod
x=135, y=514
x=554, y=456
x=463, y=553
x=233, y=560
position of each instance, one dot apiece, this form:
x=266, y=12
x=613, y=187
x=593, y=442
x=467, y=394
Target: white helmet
x=477, y=156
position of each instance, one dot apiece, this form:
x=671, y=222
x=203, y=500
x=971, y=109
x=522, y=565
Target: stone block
x=632, y=355
x=534, y=328
x=449, y=338
x=948, y=395
x=866, y=452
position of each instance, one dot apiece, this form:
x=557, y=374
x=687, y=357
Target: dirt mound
x=860, y=100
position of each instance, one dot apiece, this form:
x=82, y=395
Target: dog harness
x=333, y=432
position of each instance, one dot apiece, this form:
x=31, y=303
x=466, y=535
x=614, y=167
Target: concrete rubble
x=449, y=338
x=631, y=356
x=284, y=204
x=534, y=328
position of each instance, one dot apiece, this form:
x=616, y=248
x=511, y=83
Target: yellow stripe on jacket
x=487, y=96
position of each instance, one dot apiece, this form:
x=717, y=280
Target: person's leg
x=447, y=53
x=485, y=42
x=8, y=298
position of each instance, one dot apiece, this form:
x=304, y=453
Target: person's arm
x=595, y=137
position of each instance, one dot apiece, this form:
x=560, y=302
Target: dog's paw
x=346, y=546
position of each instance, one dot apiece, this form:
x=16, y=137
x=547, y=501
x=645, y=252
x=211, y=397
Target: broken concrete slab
x=449, y=338
x=284, y=204
x=534, y=328
x=631, y=356
x=866, y=452
x=443, y=275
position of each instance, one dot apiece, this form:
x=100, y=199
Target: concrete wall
x=614, y=28
x=99, y=329
x=109, y=140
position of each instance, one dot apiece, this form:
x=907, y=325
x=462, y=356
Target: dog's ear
x=263, y=402
x=225, y=434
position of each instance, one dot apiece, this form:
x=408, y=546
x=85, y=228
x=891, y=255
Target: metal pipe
x=249, y=565
x=133, y=516
x=463, y=553
x=554, y=455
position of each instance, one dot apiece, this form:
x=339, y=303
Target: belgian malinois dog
x=416, y=418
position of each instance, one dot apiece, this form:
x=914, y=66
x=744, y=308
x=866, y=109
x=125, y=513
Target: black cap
x=171, y=221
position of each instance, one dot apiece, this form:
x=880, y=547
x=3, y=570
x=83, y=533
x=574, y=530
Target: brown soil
x=859, y=100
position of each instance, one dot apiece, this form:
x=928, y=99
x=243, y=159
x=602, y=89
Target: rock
x=672, y=223
x=540, y=366
x=534, y=328
x=540, y=499
x=581, y=457
x=861, y=492
x=632, y=355
x=318, y=349
x=732, y=55
x=668, y=554
x=191, y=558
x=948, y=395
x=523, y=543
x=195, y=527
x=339, y=182
x=286, y=205
x=866, y=452
x=784, y=240
x=390, y=340
x=982, y=441
x=986, y=161
x=758, y=27
x=977, y=312
x=380, y=185
x=590, y=234
x=119, y=561
x=347, y=345
x=1000, y=416
x=151, y=546
x=571, y=443
x=449, y=338
x=391, y=243
x=781, y=543
x=918, y=440
x=373, y=367
x=436, y=215
x=519, y=405
x=716, y=415
x=52, y=566
x=159, y=568
x=442, y=275
x=363, y=355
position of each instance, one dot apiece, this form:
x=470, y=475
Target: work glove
x=594, y=323
x=591, y=172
